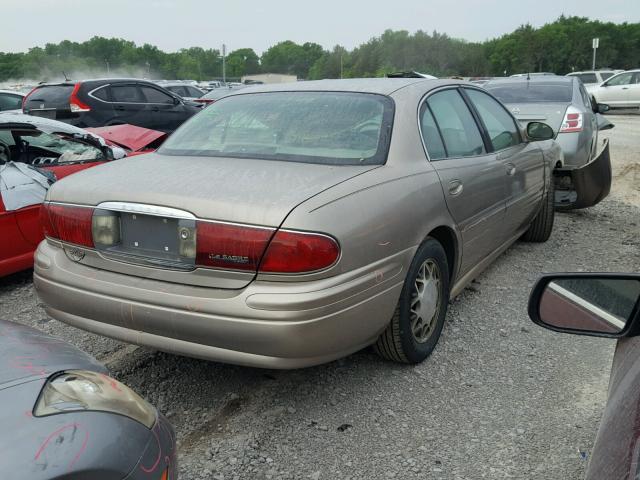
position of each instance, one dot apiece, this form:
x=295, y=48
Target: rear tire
x=542, y=225
x=419, y=317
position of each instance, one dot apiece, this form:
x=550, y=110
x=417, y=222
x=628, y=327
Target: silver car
x=290, y=225
x=583, y=176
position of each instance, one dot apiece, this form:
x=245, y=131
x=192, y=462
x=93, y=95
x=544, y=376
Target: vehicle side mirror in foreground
x=602, y=108
x=596, y=304
x=537, y=131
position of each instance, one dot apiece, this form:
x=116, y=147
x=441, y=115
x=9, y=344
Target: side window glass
x=458, y=128
x=101, y=94
x=585, y=97
x=153, y=95
x=10, y=102
x=125, y=94
x=500, y=125
x=431, y=135
x=622, y=79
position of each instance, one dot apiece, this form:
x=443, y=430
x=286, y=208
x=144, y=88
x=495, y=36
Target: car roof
x=95, y=80
x=381, y=86
x=541, y=80
x=14, y=92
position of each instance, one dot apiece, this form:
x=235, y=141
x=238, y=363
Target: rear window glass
x=588, y=77
x=606, y=75
x=50, y=96
x=193, y=92
x=530, y=92
x=314, y=127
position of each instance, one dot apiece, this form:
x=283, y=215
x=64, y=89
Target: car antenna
x=528, y=76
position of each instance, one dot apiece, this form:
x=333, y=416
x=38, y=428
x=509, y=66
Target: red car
x=38, y=151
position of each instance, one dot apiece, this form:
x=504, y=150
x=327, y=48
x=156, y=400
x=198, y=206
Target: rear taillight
x=68, y=223
x=239, y=247
x=299, y=252
x=573, y=121
x=74, y=102
x=24, y=99
x=223, y=245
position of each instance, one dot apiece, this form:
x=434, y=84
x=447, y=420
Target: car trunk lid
x=550, y=113
x=228, y=192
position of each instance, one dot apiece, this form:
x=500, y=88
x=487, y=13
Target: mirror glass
x=602, y=305
x=539, y=131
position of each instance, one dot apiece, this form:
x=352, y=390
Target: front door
x=615, y=91
x=523, y=164
x=473, y=181
x=165, y=112
x=128, y=104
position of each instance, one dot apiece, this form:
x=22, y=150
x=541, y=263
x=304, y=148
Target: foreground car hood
x=260, y=192
x=26, y=353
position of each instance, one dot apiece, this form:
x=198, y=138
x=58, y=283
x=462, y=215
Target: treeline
x=559, y=47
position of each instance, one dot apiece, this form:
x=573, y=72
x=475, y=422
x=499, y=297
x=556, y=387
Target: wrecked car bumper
x=584, y=186
x=265, y=324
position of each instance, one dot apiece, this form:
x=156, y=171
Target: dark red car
x=42, y=151
x=602, y=305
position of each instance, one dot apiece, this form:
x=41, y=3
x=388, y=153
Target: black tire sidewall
x=414, y=351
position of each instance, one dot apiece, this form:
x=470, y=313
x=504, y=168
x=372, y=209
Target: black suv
x=104, y=102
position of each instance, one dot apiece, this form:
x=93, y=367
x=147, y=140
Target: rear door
x=522, y=161
x=129, y=104
x=165, y=112
x=472, y=179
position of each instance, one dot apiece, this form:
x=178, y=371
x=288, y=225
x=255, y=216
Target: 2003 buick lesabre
x=287, y=226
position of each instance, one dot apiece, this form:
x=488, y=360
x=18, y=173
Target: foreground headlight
x=76, y=390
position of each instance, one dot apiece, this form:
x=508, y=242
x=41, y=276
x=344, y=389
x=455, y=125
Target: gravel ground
x=499, y=398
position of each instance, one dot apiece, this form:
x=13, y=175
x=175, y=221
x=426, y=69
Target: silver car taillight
x=573, y=120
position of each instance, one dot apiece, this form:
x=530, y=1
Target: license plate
x=150, y=236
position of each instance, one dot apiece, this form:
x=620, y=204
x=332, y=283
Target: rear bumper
x=266, y=324
x=585, y=186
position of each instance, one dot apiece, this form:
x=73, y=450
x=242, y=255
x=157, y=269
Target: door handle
x=511, y=169
x=120, y=108
x=455, y=187
x=155, y=109
x=625, y=88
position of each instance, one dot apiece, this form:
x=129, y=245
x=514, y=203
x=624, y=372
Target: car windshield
x=61, y=146
x=529, y=92
x=313, y=127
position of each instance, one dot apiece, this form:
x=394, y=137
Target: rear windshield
x=606, y=75
x=336, y=128
x=50, y=96
x=529, y=92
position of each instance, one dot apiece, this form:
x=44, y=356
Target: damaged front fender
x=584, y=186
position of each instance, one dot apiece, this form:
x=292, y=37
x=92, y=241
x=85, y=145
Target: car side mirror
x=602, y=108
x=596, y=304
x=538, y=131
x=176, y=101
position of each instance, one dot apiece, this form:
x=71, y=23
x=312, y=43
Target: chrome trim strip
x=612, y=320
x=145, y=209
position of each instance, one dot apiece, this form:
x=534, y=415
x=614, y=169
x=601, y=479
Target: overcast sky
x=173, y=24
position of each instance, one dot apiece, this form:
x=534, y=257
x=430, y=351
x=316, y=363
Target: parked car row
x=352, y=209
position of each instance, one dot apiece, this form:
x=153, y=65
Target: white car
x=620, y=91
x=592, y=79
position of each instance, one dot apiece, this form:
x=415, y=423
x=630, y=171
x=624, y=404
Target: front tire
x=419, y=317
